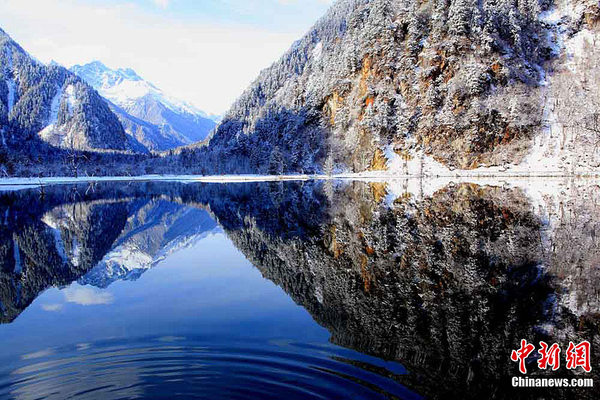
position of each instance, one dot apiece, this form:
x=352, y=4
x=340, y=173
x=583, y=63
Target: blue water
x=296, y=290
x=201, y=323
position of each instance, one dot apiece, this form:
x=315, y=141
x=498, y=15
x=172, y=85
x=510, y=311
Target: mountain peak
x=96, y=65
x=129, y=74
x=99, y=75
x=177, y=122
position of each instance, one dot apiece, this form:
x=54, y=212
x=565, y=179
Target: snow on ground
x=71, y=98
x=564, y=8
x=536, y=164
x=317, y=52
x=555, y=149
x=575, y=46
x=12, y=89
x=10, y=81
x=51, y=129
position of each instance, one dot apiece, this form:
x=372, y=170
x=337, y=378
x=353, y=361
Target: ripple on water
x=177, y=367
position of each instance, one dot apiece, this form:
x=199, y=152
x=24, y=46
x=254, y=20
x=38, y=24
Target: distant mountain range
x=88, y=108
x=157, y=121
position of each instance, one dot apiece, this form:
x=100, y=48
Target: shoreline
x=33, y=182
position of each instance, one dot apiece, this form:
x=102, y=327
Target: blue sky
x=273, y=14
x=203, y=51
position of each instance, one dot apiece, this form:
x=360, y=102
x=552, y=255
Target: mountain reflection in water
x=421, y=294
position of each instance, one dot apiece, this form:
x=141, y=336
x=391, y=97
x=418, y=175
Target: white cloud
x=52, y=307
x=209, y=65
x=299, y=1
x=162, y=3
x=87, y=296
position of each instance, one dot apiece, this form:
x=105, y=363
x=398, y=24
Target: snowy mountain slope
x=465, y=85
x=568, y=136
x=52, y=104
x=147, y=136
x=175, y=122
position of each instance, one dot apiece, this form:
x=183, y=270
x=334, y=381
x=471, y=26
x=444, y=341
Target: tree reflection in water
x=447, y=284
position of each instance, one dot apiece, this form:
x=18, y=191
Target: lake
x=295, y=290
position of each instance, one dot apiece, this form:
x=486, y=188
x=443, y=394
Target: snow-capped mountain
x=155, y=119
x=52, y=104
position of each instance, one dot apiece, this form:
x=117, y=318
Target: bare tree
x=74, y=157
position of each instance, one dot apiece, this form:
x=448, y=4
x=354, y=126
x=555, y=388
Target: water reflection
x=445, y=283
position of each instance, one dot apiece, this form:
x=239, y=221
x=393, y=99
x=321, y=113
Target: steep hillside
x=52, y=104
x=154, y=119
x=462, y=83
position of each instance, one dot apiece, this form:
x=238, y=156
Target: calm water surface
x=311, y=290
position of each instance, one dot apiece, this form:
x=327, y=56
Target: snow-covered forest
x=375, y=85
x=466, y=83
